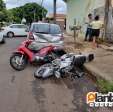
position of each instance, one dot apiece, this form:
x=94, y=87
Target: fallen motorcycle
x=68, y=64
x=30, y=51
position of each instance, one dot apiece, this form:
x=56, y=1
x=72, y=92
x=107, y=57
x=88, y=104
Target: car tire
x=20, y=67
x=10, y=34
x=3, y=41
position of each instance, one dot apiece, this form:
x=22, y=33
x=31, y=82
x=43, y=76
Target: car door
x=18, y=30
x=22, y=29
x=15, y=29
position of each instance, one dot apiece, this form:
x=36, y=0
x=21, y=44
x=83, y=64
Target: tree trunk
x=108, y=21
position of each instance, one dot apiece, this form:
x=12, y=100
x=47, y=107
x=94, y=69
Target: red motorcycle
x=25, y=54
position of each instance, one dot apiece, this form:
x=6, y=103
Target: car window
x=22, y=26
x=41, y=28
x=46, y=28
x=18, y=26
x=55, y=29
x=13, y=26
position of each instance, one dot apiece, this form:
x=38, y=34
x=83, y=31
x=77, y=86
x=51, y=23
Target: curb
x=107, y=48
x=96, y=73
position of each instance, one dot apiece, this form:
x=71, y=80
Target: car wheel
x=3, y=41
x=10, y=34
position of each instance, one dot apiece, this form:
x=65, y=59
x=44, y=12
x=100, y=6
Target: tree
x=3, y=12
x=109, y=20
x=3, y=16
x=27, y=11
x=2, y=5
x=16, y=14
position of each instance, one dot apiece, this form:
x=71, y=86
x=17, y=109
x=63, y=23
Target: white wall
x=79, y=9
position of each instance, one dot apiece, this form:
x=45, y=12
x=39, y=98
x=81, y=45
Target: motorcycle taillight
x=30, y=36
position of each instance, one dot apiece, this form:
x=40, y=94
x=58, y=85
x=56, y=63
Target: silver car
x=2, y=39
x=46, y=33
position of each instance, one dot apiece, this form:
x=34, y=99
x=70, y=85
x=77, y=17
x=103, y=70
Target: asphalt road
x=21, y=92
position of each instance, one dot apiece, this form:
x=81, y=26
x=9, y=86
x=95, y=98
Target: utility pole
x=42, y=9
x=54, y=10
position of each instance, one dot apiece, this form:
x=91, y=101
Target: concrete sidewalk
x=102, y=66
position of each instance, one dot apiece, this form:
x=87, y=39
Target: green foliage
x=16, y=14
x=28, y=11
x=2, y=5
x=3, y=12
x=105, y=86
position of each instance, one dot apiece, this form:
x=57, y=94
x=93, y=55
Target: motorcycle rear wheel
x=15, y=64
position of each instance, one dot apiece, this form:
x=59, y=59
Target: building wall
x=100, y=11
x=60, y=20
x=79, y=9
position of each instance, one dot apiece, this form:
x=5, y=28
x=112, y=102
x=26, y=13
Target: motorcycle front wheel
x=44, y=71
x=18, y=62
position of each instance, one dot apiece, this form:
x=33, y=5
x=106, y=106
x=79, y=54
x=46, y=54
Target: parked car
x=46, y=33
x=15, y=30
x=2, y=38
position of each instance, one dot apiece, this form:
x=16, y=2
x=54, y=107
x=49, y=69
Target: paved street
x=20, y=92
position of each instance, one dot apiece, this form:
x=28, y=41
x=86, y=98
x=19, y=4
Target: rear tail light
x=30, y=36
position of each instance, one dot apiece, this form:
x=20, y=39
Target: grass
x=105, y=86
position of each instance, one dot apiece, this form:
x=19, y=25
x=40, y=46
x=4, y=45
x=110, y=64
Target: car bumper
x=1, y=36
